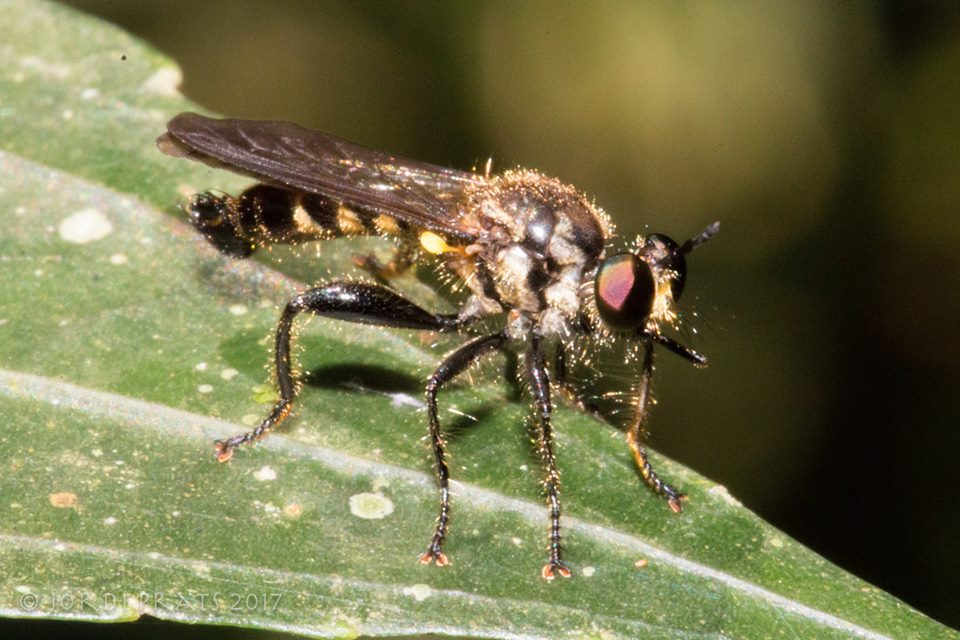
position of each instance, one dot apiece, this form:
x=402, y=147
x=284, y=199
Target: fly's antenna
x=698, y=240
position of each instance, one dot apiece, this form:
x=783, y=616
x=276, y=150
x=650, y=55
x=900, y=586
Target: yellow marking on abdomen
x=387, y=224
x=348, y=222
x=305, y=222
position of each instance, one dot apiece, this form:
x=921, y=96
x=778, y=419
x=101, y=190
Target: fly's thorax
x=539, y=240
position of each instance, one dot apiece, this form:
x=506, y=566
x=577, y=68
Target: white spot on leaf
x=720, y=491
x=85, y=226
x=420, y=592
x=265, y=474
x=370, y=506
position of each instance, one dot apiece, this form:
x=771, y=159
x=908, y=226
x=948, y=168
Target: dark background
x=824, y=136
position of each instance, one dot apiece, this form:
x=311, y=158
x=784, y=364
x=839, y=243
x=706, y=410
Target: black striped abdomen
x=266, y=214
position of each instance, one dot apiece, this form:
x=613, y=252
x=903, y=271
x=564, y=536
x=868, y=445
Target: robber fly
x=529, y=249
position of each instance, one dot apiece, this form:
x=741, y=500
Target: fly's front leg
x=453, y=365
x=636, y=431
x=539, y=382
x=350, y=301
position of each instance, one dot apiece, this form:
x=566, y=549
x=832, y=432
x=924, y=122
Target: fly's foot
x=434, y=554
x=675, y=499
x=554, y=567
x=224, y=449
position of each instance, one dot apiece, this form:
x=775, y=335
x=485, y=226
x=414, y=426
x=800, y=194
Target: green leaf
x=127, y=346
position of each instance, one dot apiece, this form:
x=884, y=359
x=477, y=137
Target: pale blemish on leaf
x=370, y=506
x=262, y=394
x=268, y=508
x=265, y=474
x=721, y=492
x=44, y=68
x=85, y=226
x=63, y=499
x=420, y=592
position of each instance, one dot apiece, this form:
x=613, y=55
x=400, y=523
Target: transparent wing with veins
x=422, y=194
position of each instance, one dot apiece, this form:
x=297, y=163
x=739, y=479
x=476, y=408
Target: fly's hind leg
x=635, y=438
x=350, y=301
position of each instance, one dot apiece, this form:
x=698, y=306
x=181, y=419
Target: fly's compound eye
x=624, y=291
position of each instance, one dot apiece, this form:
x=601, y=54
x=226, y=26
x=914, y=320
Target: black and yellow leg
x=635, y=433
x=350, y=301
x=451, y=367
x=539, y=381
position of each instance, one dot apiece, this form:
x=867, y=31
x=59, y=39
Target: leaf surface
x=127, y=346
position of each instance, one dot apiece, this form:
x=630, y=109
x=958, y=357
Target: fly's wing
x=421, y=194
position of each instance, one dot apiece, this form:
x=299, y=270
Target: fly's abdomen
x=265, y=214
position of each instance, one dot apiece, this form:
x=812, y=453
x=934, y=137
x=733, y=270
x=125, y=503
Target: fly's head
x=637, y=291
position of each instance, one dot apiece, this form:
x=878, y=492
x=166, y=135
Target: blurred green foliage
x=824, y=136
